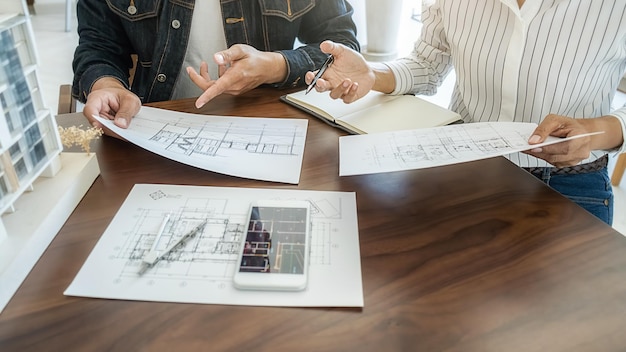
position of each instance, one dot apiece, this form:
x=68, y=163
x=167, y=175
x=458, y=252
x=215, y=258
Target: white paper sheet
x=201, y=271
x=436, y=146
x=268, y=149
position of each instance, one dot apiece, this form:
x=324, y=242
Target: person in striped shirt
x=556, y=63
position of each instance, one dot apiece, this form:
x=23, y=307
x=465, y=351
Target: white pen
x=160, y=232
x=153, y=253
x=154, y=256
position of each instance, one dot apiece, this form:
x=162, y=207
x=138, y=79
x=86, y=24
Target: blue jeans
x=592, y=191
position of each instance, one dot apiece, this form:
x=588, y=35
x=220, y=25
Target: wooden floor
x=57, y=47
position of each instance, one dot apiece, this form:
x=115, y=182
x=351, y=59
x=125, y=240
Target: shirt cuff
x=621, y=116
x=402, y=75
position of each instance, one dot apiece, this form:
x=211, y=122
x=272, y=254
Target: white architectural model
x=32, y=208
x=29, y=142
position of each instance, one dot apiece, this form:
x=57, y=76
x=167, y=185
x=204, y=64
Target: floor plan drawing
x=437, y=146
x=239, y=146
x=208, y=139
x=200, y=269
x=455, y=143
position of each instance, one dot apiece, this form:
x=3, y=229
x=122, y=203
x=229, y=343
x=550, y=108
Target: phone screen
x=275, y=241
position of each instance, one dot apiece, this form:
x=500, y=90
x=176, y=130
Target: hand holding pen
x=320, y=72
x=350, y=77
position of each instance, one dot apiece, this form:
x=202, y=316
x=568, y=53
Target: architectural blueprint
x=268, y=149
x=436, y=146
x=201, y=270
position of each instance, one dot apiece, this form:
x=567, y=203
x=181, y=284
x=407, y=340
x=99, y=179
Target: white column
x=383, y=23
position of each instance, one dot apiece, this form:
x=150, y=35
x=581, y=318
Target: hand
x=111, y=100
x=241, y=68
x=349, y=78
x=566, y=153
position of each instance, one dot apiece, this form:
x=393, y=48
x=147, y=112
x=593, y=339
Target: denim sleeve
x=328, y=20
x=103, y=49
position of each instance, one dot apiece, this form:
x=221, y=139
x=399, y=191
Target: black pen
x=329, y=60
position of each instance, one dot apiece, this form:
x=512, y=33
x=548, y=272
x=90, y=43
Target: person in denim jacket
x=253, y=42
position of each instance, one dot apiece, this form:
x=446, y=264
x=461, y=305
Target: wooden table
x=479, y=256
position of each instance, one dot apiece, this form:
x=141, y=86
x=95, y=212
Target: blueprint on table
x=202, y=270
x=268, y=149
x=436, y=146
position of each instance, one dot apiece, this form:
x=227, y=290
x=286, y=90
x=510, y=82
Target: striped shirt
x=563, y=57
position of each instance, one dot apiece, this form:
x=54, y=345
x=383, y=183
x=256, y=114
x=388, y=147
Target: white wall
x=359, y=19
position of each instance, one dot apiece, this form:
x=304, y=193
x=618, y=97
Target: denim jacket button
x=132, y=10
x=161, y=77
x=175, y=24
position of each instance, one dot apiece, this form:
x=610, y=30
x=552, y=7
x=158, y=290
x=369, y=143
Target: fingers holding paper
x=574, y=151
x=109, y=99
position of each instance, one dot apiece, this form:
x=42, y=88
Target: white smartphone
x=275, y=248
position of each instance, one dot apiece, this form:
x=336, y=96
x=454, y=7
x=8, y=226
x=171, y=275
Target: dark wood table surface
x=478, y=256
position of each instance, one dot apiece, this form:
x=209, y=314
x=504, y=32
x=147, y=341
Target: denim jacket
x=157, y=31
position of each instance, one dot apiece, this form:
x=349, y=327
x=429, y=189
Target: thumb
x=226, y=57
x=546, y=128
x=219, y=58
x=330, y=47
x=128, y=108
x=535, y=139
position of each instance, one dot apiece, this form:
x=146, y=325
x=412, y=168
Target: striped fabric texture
x=549, y=57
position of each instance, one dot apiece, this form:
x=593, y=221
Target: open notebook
x=375, y=112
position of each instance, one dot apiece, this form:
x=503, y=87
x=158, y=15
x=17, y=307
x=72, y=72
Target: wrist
x=277, y=68
x=384, y=80
x=611, y=138
x=107, y=82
